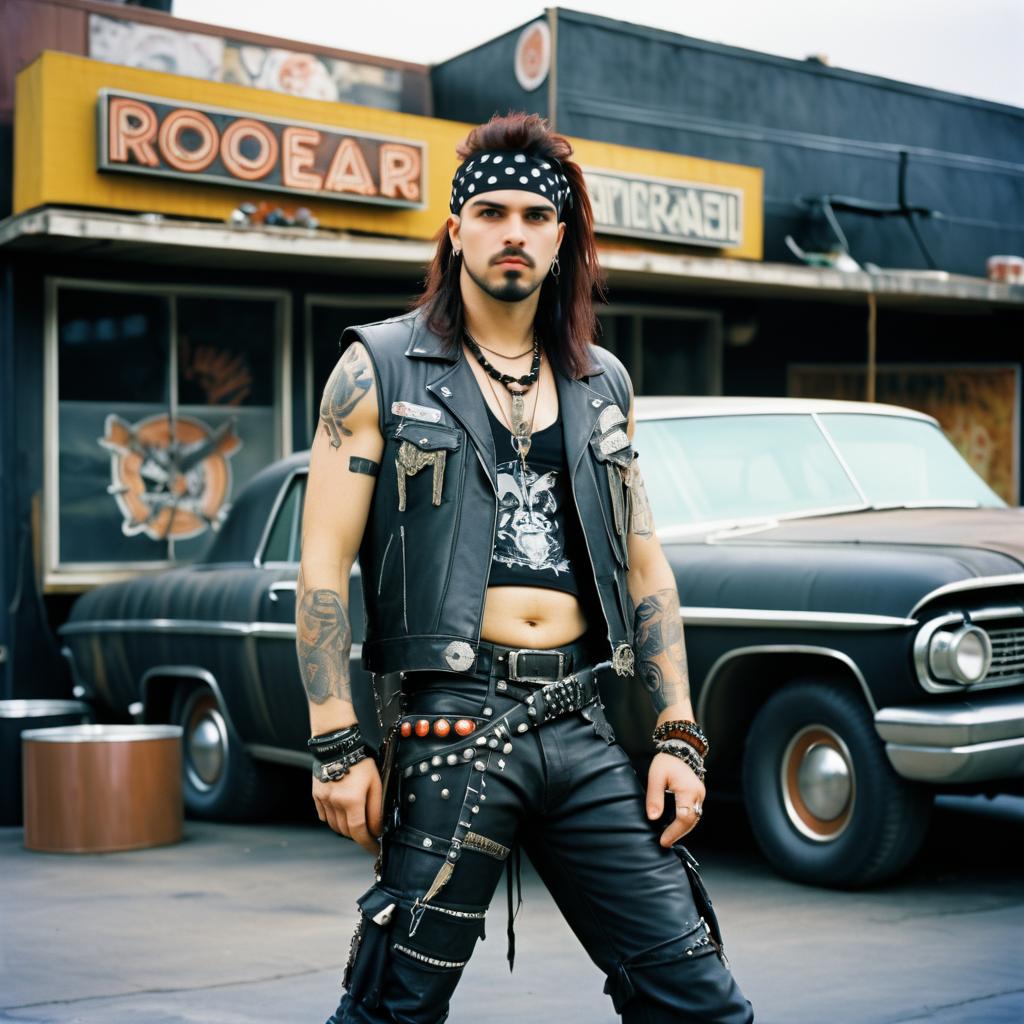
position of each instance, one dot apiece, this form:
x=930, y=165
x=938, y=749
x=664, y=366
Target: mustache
x=517, y=253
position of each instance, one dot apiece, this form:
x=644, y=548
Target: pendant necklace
x=520, y=428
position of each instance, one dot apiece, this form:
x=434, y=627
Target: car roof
x=649, y=407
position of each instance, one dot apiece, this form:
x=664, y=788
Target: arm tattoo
x=349, y=381
x=660, y=650
x=323, y=638
x=640, y=520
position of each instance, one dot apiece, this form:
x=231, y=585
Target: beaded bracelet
x=681, y=729
x=686, y=753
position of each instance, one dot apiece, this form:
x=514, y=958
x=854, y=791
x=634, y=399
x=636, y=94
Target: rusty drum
x=100, y=788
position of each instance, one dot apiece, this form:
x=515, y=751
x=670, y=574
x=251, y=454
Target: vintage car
x=852, y=596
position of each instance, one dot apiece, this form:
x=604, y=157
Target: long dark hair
x=565, y=320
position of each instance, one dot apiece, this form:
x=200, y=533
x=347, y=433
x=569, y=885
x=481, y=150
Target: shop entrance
x=666, y=351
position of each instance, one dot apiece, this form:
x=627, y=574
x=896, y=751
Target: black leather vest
x=426, y=551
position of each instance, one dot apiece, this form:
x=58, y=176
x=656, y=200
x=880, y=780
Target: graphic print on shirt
x=526, y=533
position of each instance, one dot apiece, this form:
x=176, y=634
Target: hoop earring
x=556, y=267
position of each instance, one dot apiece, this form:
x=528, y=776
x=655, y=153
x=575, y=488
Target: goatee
x=512, y=289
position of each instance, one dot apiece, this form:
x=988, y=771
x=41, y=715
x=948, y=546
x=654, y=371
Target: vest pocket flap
x=615, y=446
x=429, y=437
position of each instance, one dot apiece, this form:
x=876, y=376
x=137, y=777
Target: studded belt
x=476, y=735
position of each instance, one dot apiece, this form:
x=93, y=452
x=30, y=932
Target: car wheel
x=220, y=780
x=825, y=805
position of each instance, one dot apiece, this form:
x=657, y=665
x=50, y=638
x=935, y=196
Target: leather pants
x=569, y=796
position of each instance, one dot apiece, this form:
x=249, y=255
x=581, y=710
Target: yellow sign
x=57, y=155
x=150, y=135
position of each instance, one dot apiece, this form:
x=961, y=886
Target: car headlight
x=962, y=655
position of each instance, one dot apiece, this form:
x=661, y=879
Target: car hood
x=998, y=530
x=883, y=563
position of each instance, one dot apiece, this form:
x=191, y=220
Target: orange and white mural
x=171, y=479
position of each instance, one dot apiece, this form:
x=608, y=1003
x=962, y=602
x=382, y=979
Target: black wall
x=813, y=129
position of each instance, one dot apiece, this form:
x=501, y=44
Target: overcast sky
x=972, y=47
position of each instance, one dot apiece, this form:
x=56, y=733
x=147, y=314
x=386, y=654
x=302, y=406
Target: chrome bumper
x=969, y=741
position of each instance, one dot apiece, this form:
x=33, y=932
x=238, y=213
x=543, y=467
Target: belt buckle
x=513, y=665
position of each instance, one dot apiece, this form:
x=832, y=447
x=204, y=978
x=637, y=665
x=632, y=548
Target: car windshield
x=901, y=461
x=710, y=469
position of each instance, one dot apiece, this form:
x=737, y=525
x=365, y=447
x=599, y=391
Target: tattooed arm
x=659, y=647
x=660, y=658
x=334, y=517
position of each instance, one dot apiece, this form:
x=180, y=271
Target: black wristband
x=340, y=741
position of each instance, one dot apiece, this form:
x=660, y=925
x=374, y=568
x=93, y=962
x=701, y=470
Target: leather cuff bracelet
x=339, y=742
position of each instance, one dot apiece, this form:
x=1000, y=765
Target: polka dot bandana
x=488, y=172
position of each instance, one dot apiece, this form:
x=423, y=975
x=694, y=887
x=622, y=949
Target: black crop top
x=538, y=541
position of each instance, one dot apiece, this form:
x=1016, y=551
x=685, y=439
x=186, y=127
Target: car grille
x=1007, y=653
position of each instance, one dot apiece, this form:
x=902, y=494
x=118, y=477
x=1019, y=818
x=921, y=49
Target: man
x=477, y=455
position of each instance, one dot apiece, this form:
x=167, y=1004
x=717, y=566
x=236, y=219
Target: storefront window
x=113, y=352
x=166, y=404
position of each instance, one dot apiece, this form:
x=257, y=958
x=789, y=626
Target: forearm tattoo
x=641, y=522
x=323, y=640
x=660, y=650
x=348, y=383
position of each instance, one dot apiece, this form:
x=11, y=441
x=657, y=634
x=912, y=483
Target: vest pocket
x=423, y=446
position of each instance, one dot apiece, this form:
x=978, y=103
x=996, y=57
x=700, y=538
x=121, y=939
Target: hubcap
x=818, y=783
x=206, y=741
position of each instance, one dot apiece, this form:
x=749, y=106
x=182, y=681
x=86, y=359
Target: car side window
x=286, y=531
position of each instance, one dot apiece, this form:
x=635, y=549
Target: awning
x=153, y=239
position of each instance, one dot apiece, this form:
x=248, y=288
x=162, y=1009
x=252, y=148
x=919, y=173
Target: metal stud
x=412, y=798
x=507, y=749
x=501, y=685
x=492, y=743
x=453, y=854
x=522, y=727
x=452, y=758
x=467, y=753
x=529, y=700
x=475, y=809
x=445, y=793
x=501, y=762
x=481, y=740
x=423, y=767
x=488, y=712
x=479, y=765
x=532, y=712
x=427, y=841
x=435, y=777
x=436, y=760
x=483, y=796
x=408, y=771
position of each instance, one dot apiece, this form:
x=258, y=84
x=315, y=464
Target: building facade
x=148, y=311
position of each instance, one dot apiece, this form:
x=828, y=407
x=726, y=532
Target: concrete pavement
x=252, y=923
